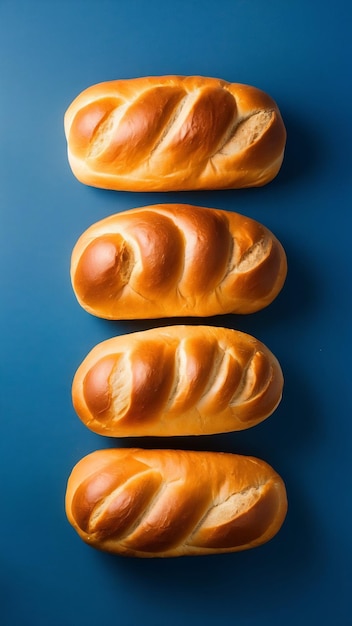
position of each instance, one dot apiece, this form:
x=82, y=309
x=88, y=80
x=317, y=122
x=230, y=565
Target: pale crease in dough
x=172, y=124
x=244, y=389
x=105, y=130
x=246, y=132
x=121, y=387
x=253, y=256
x=224, y=512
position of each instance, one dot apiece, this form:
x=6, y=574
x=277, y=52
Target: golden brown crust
x=177, y=380
x=171, y=260
x=173, y=133
x=168, y=503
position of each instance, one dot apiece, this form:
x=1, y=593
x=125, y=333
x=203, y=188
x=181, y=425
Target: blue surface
x=300, y=53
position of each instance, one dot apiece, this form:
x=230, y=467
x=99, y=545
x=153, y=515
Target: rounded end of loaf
x=260, y=274
x=171, y=503
x=92, y=395
x=255, y=150
x=101, y=271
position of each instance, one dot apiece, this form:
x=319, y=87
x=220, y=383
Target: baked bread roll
x=174, y=133
x=168, y=503
x=178, y=380
x=176, y=260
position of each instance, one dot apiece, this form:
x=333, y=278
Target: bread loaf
x=168, y=503
x=174, y=133
x=176, y=260
x=178, y=380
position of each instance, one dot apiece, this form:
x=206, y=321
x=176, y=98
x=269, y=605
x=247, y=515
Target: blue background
x=299, y=52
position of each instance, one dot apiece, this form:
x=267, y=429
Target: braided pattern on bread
x=176, y=260
x=178, y=380
x=160, y=503
x=174, y=133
